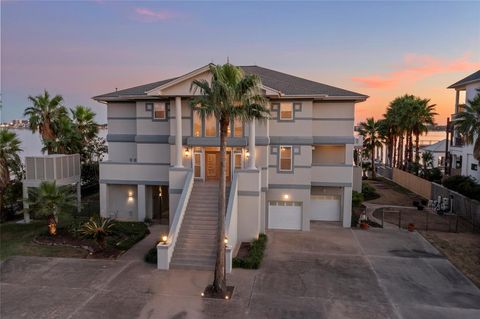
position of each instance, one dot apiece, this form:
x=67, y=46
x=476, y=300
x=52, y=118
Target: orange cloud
x=417, y=67
x=148, y=15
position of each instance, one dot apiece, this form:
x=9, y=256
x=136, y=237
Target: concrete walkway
x=138, y=251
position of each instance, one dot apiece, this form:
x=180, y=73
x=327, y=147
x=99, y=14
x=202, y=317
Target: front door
x=212, y=166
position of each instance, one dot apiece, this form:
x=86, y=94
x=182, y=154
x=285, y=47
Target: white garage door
x=325, y=207
x=285, y=215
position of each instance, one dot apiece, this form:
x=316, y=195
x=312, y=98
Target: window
x=198, y=164
x=210, y=126
x=285, y=158
x=237, y=160
x=237, y=128
x=286, y=111
x=474, y=167
x=159, y=111
x=197, y=124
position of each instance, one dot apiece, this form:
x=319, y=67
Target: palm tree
x=9, y=159
x=369, y=130
x=423, y=115
x=44, y=115
x=51, y=200
x=231, y=95
x=467, y=123
x=84, y=120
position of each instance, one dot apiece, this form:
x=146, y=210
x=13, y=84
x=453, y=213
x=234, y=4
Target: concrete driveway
x=328, y=272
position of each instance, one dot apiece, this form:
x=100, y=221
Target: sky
x=80, y=49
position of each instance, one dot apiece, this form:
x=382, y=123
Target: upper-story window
x=286, y=111
x=237, y=128
x=210, y=126
x=197, y=124
x=159, y=111
x=286, y=158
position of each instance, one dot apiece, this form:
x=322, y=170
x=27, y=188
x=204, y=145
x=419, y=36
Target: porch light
x=187, y=152
x=225, y=240
x=247, y=154
x=286, y=196
x=130, y=196
x=164, y=239
x=160, y=191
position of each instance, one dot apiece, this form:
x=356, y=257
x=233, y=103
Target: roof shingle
x=471, y=78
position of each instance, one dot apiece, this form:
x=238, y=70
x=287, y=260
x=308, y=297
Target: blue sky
x=83, y=48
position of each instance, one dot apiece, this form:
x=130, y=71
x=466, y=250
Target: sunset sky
x=382, y=49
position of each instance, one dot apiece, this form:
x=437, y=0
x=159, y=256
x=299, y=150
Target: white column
x=178, y=132
x=251, y=145
x=347, y=207
x=26, y=215
x=457, y=100
x=141, y=202
x=103, y=200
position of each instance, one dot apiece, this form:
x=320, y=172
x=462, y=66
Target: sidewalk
x=138, y=251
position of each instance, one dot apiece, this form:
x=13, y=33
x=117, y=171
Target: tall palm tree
x=369, y=130
x=44, y=115
x=467, y=123
x=423, y=115
x=84, y=120
x=51, y=200
x=231, y=95
x=9, y=159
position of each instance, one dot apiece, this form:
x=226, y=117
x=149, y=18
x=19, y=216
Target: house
x=462, y=160
x=438, y=153
x=163, y=162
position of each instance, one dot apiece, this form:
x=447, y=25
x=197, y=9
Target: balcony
x=134, y=173
x=332, y=174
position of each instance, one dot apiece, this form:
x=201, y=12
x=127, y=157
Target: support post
x=26, y=215
x=141, y=202
x=178, y=131
x=103, y=200
x=79, y=197
x=251, y=145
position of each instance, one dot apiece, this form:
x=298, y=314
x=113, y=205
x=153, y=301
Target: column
x=178, y=132
x=79, y=197
x=26, y=214
x=103, y=200
x=347, y=207
x=251, y=145
x=457, y=100
x=141, y=202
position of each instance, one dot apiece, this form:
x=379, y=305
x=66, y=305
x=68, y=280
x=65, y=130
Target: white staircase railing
x=231, y=224
x=165, y=250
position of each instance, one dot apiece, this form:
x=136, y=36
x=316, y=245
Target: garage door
x=325, y=207
x=285, y=215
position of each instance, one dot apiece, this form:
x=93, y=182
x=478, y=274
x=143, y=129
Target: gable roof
x=438, y=147
x=474, y=77
x=286, y=84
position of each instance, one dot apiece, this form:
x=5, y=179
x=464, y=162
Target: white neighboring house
x=294, y=168
x=463, y=162
x=438, y=151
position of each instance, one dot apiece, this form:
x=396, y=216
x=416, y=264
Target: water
x=32, y=143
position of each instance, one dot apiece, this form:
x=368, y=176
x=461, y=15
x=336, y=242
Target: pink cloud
x=148, y=15
x=417, y=67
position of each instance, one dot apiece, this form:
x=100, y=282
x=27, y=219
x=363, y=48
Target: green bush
x=151, y=256
x=355, y=219
x=369, y=192
x=255, y=254
x=357, y=199
x=464, y=185
x=126, y=234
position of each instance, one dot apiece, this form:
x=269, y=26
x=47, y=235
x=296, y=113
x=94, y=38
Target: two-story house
x=463, y=162
x=294, y=168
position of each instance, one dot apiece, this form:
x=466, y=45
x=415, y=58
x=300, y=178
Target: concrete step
x=200, y=223
x=196, y=259
x=197, y=243
x=191, y=265
x=207, y=227
x=200, y=250
x=191, y=254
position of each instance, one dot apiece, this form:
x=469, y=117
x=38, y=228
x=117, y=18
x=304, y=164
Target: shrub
x=151, y=256
x=357, y=199
x=255, y=254
x=369, y=192
x=98, y=230
x=355, y=219
x=464, y=185
x=127, y=234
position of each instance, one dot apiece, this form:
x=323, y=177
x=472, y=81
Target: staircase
x=195, y=247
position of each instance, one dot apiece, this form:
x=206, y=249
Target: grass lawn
x=17, y=239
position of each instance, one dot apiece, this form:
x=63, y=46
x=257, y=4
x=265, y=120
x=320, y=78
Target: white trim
x=180, y=79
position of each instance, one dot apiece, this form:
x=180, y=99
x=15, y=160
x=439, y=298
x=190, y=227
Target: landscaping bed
x=250, y=255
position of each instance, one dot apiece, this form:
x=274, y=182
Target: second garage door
x=325, y=207
x=285, y=215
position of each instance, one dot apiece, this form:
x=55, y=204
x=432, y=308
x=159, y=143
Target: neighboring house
x=302, y=168
x=463, y=162
x=438, y=151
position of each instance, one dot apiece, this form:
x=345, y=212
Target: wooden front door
x=212, y=166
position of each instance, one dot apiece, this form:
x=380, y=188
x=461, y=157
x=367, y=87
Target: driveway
x=329, y=272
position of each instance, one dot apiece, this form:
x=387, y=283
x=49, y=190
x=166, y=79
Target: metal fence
x=425, y=219
x=385, y=171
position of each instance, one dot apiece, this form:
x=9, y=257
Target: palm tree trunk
x=417, y=148
x=219, y=281
x=48, y=135
x=373, y=159
x=394, y=154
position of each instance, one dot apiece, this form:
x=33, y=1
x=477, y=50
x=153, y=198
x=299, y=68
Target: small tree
x=98, y=230
x=467, y=123
x=369, y=130
x=51, y=200
x=9, y=160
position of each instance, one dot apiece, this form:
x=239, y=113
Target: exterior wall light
x=247, y=154
x=187, y=152
x=225, y=240
x=286, y=196
x=130, y=196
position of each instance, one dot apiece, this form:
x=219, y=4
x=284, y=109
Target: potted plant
x=363, y=221
x=411, y=227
